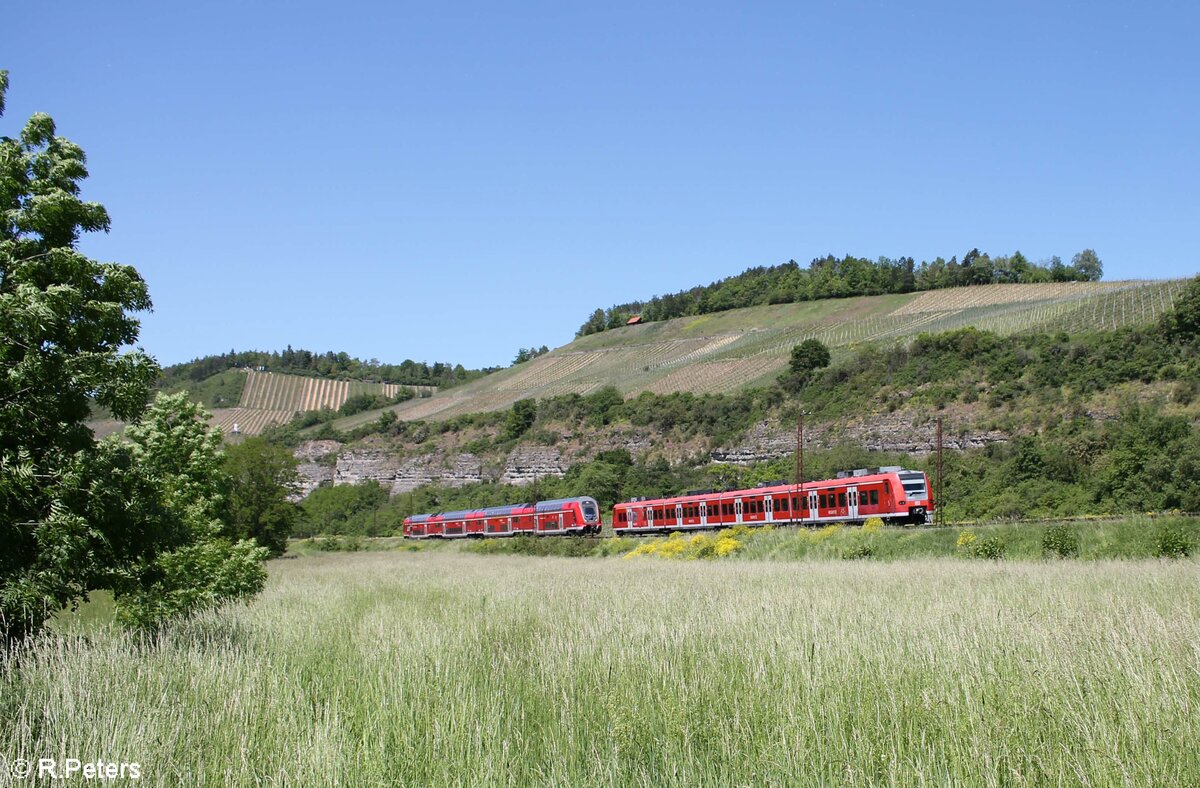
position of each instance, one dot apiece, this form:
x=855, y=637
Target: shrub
x=566, y=546
x=860, y=550
x=992, y=547
x=339, y=544
x=872, y=525
x=726, y=545
x=1173, y=541
x=1060, y=540
x=966, y=540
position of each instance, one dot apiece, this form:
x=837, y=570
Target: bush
x=566, y=546
x=1173, y=541
x=339, y=544
x=993, y=547
x=1060, y=540
x=861, y=550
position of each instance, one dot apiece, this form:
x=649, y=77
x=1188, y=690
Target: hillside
x=734, y=350
x=273, y=398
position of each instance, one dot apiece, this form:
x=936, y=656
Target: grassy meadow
x=447, y=668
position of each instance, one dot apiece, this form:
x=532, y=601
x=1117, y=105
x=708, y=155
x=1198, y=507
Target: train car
x=560, y=516
x=893, y=494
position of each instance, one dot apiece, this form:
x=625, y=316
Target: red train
x=576, y=516
x=893, y=494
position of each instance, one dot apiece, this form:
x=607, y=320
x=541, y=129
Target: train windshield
x=589, y=510
x=914, y=485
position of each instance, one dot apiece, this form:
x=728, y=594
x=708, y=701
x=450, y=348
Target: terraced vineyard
x=273, y=398
x=731, y=350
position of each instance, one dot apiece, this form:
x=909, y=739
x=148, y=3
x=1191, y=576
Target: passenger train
x=574, y=516
x=893, y=494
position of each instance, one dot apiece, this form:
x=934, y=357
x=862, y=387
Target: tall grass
x=448, y=668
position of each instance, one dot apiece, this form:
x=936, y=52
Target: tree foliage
x=1182, y=323
x=186, y=558
x=77, y=515
x=833, y=277
x=261, y=478
x=807, y=357
x=520, y=418
x=330, y=364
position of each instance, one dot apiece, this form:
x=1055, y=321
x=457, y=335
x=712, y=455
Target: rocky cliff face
x=313, y=472
x=527, y=463
x=891, y=432
x=324, y=462
x=328, y=462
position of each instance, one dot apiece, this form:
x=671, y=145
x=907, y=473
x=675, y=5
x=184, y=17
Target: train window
x=823, y=503
x=841, y=499
x=783, y=505
x=873, y=495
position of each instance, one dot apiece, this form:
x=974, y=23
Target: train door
x=852, y=503
x=679, y=514
x=560, y=521
x=812, y=505
x=650, y=517
x=737, y=511
x=769, y=510
x=703, y=513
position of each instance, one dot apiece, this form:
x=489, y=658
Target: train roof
x=461, y=513
x=557, y=503
x=502, y=511
x=849, y=477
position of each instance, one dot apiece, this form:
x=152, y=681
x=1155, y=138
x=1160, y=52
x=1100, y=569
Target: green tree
x=1088, y=265
x=138, y=515
x=182, y=559
x=520, y=418
x=261, y=478
x=807, y=357
x=65, y=322
x=1182, y=323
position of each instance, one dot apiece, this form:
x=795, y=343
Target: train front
x=591, y=515
x=918, y=498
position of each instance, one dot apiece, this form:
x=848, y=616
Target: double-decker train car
x=561, y=516
x=893, y=494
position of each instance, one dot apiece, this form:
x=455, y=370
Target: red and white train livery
x=561, y=516
x=893, y=494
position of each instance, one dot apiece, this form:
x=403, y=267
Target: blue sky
x=451, y=181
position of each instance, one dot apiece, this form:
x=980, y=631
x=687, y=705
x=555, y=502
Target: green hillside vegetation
x=1142, y=456
x=338, y=366
x=740, y=349
x=830, y=277
x=219, y=390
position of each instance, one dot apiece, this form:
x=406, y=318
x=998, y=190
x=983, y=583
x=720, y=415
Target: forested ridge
x=329, y=364
x=831, y=277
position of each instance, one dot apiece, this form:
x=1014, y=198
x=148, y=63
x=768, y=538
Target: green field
x=445, y=668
